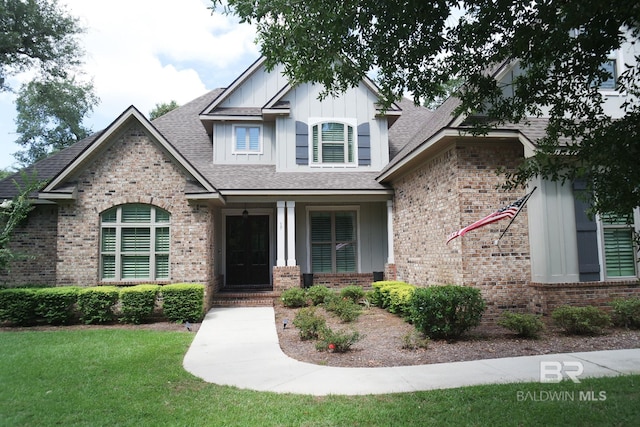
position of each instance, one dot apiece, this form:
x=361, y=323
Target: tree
x=415, y=46
x=50, y=116
x=37, y=34
x=162, y=109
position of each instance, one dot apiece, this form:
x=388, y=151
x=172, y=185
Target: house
x=264, y=186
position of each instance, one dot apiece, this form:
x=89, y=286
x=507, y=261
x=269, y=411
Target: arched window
x=134, y=243
x=333, y=143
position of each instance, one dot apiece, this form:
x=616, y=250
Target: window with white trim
x=247, y=139
x=333, y=143
x=619, y=251
x=134, y=243
x=334, y=246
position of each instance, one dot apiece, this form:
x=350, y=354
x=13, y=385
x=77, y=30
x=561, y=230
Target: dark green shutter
x=587, y=236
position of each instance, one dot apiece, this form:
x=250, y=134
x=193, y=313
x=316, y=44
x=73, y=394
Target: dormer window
x=247, y=139
x=333, y=143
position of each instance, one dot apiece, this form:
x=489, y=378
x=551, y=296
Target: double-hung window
x=333, y=143
x=334, y=246
x=247, y=139
x=134, y=243
x=618, y=246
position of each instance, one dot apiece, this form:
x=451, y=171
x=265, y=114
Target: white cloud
x=144, y=52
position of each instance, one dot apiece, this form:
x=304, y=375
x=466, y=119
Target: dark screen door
x=247, y=255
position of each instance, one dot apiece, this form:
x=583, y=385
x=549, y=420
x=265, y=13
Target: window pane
x=162, y=215
x=345, y=258
x=345, y=226
x=136, y=213
x=321, y=258
x=315, y=143
x=241, y=138
x=254, y=139
x=108, y=267
x=332, y=153
x=162, y=239
x=609, y=67
x=135, y=240
x=619, y=256
x=108, y=240
x=110, y=215
x=320, y=227
x=162, y=266
x=135, y=267
x=350, y=142
x=332, y=132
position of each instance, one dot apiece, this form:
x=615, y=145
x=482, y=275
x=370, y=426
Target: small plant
x=343, y=307
x=413, y=340
x=309, y=323
x=446, y=311
x=294, y=298
x=352, y=292
x=581, y=320
x=524, y=325
x=626, y=312
x=317, y=293
x=337, y=342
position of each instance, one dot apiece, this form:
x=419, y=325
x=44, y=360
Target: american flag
x=508, y=211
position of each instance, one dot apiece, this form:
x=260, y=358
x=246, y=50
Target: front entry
x=247, y=251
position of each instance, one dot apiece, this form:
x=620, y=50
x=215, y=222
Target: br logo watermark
x=554, y=372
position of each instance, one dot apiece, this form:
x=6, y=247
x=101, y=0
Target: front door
x=247, y=252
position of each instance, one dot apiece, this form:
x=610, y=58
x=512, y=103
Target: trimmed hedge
x=138, y=302
x=393, y=296
x=57, y=306
x=96, y=304
x=446, y=311
x=183, y=302
x=587, y=320
x=18, y=306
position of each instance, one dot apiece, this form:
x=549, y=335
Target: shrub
x=183, y=302
x=413, y=340
x=18, y=306
x=446, y=311
x=317, y=293
x=626, y=312
x=57, y=305
x=352, y=292
x=294, y=297
x=524, y=325
x=343, y=307
x=309, y=323
x=96, y=304
x=581, y=320
x=393, y=296
x=138, y=302
x=337, y=342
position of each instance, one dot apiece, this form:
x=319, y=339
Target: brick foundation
x=340, y=280
x=286, y=278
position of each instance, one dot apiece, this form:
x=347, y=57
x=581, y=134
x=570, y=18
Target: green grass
x=101, y=377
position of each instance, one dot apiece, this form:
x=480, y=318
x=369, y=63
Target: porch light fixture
x=245, y=214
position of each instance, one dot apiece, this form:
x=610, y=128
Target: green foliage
x=317, y=294
x=18, y=306
x=581, y=320
x=56, y=306
x=162, y=109
x=309, y=323
x=343, y=307
x=337, y=342
x=446, y=311
x=524, y=325
x=413, y=340
x=352, y=292
x=96, y=304
x=418, y=48
x=183, y=302
x=294, y=297
x=50, y=114
x=138, y=302
x=393, y=296
x=626, y=312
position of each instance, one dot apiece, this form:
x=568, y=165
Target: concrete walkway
x=239, y=347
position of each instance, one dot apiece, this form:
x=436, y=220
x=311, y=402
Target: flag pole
x=524, y=202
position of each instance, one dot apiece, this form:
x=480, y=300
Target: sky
x=146, y=52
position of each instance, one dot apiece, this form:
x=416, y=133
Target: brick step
x=244, y=299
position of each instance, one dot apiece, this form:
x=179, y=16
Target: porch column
x=291, y=233
x=391, y=256
x=280, y=235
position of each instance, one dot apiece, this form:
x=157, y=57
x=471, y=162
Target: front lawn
x=115, y=377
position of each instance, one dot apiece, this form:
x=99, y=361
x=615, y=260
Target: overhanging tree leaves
x=162, y=108
x=50, y=116
x=417, y=46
